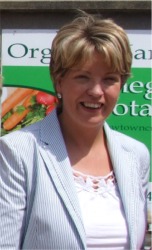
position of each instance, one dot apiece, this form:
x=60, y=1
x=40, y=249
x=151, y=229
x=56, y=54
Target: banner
x=25, y=58
x=25, y=64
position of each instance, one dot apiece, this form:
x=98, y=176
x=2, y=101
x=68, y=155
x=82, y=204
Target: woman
x=69, y=181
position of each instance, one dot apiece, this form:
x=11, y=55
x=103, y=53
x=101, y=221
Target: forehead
x=95, y=61
x=109, y=59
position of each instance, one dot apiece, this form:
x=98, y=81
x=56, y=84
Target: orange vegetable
x=16, y=97
x=27, y=101
x=14, y=119
x=17, y=117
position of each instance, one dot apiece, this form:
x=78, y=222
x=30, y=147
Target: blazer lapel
x=54, y=150
x=124, y=164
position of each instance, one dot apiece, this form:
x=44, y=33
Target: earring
x=59, y=96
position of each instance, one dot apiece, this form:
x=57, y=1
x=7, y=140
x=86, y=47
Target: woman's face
x=89, y=93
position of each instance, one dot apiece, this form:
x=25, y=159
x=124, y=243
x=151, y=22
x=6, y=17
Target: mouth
x=91, y=105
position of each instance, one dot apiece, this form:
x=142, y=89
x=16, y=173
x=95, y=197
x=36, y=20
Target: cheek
x=113, y=93
x=68, y=100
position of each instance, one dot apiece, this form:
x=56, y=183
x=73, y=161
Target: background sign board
x=25, y=60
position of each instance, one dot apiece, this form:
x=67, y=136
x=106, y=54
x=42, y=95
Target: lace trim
x=100, y=184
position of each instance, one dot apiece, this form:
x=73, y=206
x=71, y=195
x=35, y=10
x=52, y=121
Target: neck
x=86, y=148
x=81, y=137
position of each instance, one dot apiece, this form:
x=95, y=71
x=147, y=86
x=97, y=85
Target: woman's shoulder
x=128, y=142
x=21, y=143
x=32, y=135
x=22, y=135
x=137, y=148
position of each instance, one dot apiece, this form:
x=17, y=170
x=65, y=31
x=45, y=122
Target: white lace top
x=102, y=212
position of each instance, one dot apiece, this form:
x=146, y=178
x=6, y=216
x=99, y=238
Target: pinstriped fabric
x=126, y=167
x=47, y=223
x=38, y=202
x=12, y=197
x=49, y=228
x=63, y=172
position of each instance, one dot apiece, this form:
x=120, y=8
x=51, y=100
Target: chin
x=94, y=123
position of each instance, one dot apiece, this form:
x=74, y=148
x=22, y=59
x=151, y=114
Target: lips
x=91, y=105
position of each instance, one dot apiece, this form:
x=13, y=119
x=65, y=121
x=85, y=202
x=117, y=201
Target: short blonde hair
x=77, y=41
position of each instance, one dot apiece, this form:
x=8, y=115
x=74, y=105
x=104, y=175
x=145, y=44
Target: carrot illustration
x=17, y=117
x=14, y=119
x=16, y=97
x=27, y=101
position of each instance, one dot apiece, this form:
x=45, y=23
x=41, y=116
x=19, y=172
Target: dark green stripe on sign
x=35, y=77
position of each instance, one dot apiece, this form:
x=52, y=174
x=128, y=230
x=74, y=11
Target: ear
x=58, y=85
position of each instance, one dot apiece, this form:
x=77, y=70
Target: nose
x=96, y=89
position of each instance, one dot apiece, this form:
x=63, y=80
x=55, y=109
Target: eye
x=82, y=77
x=111, y=80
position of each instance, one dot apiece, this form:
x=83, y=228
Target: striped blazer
x=39, y=207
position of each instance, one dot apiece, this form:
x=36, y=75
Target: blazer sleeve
x=145, y=168
x=12, y=195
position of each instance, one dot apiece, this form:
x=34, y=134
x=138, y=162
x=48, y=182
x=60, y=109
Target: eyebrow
x=80, y=70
